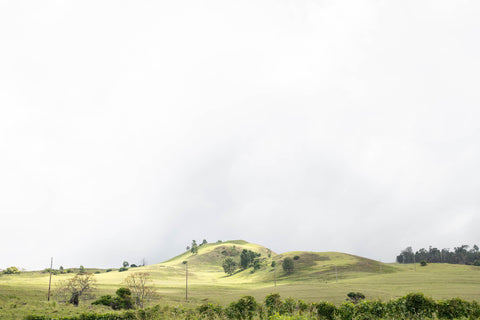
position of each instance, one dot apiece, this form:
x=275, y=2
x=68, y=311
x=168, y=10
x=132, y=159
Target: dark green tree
x=247, y=258
x=125, y=264
x=194, y=248
x=229, y=266
x=355, y=297
x=288, y=265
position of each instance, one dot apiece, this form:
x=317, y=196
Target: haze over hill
x=127, y=129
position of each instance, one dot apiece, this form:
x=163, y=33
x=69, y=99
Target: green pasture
x=326, y=276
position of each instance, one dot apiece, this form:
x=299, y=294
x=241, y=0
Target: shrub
x=245, y=308
x=453, y=308
x=122, y=269
x=106, y=300
x=296, y=257
x=288, y=306
x=346, y=311
x=423, y=263
x=302, y=307
x=210, y=311
x=326, y=310
x=108, y=270
x=418, y=304
x=273, y=304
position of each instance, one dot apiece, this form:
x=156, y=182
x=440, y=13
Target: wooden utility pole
x=50, y=281
x=275, y=274
x=186, y=279
x=414, y=265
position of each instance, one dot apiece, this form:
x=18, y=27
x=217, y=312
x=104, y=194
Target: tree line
x=459, y=255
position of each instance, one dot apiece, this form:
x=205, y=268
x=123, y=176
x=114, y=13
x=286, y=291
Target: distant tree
x=273, y=264
x=121, y=269
x=204, y=242
x=140, y=284
x=188, y=248
x=61, y=269
x=11, y=270
x=256, y=264
x=81, y=270
x=81, y=285
x=133, y=265
x=219, y=241
x=288, y=265
x=194, y=249
x=296, y=257
x=125, y=264
x=355, y=297
x=229, y=266
x=247, y=258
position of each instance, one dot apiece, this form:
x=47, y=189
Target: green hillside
x=317, y=276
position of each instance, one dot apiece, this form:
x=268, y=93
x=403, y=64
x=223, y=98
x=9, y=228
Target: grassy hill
x=317, y=276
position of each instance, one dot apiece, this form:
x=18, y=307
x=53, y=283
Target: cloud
x=126, y=131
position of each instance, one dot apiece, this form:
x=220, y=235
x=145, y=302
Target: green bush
x=289, y=306
x=419, y=305
x=326, y=310
x=121, y=269
x=273, y=304
x=210, y=311
x=346, y=311
x=245, y=308
x=453, y=308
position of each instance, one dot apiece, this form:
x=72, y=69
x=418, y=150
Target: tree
x=11, y=270
x=81, y=285
x=125, y=264
x=204, y=242
x=61, y=269
x=140, y=284
x=355, y=297
x=81, y=270
x=247, y=258
x=288, y=265
x=229, y=266
x=194, y=248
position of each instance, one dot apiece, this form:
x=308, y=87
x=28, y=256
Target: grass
x=313, y=280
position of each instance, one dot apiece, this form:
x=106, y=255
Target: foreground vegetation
x=315, y=277
x=411, y=306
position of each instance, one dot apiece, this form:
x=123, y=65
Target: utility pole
x=414, y=265
x=186, y=279
x=50, y=281
x=275, y=274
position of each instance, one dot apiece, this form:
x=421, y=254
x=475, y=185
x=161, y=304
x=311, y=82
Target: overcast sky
x=129, y=128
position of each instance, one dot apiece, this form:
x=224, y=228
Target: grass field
x=314, y=279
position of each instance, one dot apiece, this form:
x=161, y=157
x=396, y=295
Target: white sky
x=129, y=128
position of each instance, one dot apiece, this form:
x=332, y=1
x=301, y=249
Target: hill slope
x=206, y=265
